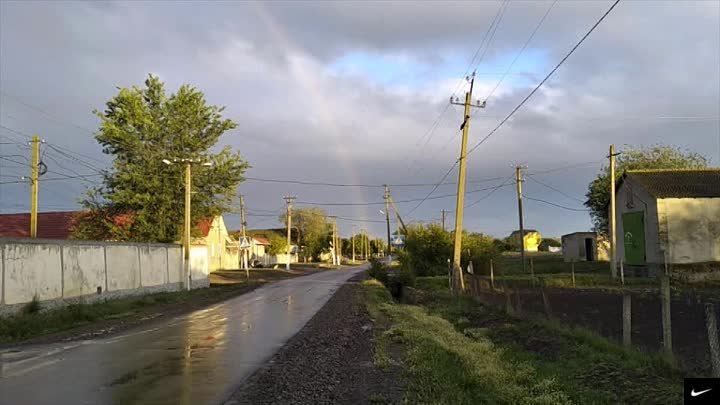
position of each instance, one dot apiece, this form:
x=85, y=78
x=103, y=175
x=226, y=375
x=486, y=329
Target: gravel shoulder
x=330, y=361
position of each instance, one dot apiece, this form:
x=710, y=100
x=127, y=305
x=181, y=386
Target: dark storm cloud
x=270, y=64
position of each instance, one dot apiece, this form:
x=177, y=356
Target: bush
x=547, y=243
x=378, y=271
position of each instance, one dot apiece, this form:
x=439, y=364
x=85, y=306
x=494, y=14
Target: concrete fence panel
x=175, y=265
x=32, y=270
x=123, y=267
x=199, y=263
x=83, y=270
x=153, y=265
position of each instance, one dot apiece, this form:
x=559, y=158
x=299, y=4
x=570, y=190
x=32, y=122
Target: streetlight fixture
x=188, y=192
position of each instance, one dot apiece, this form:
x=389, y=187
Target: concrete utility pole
x=352, y=237
x=334, y=240
x=188, y=218
x=289, y=200
x=518, y=182
x=34, y=184
x=243, y=226
x=387, y=218
x=613, y=237
x=462, y=172
x=443, y=212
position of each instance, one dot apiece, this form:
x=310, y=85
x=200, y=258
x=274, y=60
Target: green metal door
x=634, y=237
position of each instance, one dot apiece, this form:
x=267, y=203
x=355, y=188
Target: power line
x=47, y=114
x=314, y=183
x=556, y=205
x=557, y=169
x=543, y=80
x=434, y=188
x=492, y=191
x=554, y=189
x=532, y=35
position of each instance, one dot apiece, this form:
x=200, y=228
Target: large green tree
x=140, y=127
x=313, y=229
x=631, y=158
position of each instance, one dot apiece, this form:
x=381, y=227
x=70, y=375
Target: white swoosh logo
x=694, y=394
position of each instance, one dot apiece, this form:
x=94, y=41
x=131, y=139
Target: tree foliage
x=547, y=243
x=140, y=127
x=654, y=157
x=278, y=244
x=313, y=229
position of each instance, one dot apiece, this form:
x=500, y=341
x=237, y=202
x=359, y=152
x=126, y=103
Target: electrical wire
x=494, y=189
x=572, y=50
x=556, y=205
x=554, y=189
x=517, y=56
x=434, y=188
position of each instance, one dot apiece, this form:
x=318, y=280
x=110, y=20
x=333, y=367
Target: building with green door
x=669, y=215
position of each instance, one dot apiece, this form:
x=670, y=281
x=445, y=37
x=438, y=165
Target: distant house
x=261, y=244
x=51, y=225
x=668, y=216
x=222, y=250
x=585, y=247
x=532, y=239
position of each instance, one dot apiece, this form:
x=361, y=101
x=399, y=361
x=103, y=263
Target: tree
x=427, y=249
x=313, y=228
x=278, y=244
x=654, y=157
x=140, y=127
x=546, y=244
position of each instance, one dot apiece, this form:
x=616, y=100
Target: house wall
x=630, y=197
x=59, y=272
x=692, y=229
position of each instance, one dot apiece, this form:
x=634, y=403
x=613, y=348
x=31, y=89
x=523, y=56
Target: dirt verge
x=330, y=361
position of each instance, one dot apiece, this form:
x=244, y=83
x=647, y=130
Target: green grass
x=26, y=324
x=592, y=369
x=546, y=263
x=447, y=367
x=458, y=351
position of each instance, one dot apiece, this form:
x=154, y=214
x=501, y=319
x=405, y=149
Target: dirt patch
x=330, y=361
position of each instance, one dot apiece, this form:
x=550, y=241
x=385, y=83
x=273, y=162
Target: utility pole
x=443, y=212
x=518, y=182
x=188, y=218
x=243, y=226
x=353, y=247
x=387, y=218
x=462, y=172
x=334, y=240
x=34, y=184
x=289, y=200
x=613, y=237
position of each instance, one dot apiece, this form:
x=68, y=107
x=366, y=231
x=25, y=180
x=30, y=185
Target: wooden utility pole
x=289, y=200
x=243, y=226
x=613, y=237
x=387, y=218
x=518, y=182
x=186, y=238
x=34, y=184
x=442, y=213
x=462, y=172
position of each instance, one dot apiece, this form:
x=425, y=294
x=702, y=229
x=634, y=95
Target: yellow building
x=532, y=239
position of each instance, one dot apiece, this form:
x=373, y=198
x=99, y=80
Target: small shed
x=668, y=216
x=584, y=247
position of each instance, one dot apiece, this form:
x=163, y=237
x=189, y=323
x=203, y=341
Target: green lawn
x=546, y=263
x=457, y=351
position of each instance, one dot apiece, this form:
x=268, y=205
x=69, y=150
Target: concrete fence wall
x=58, y=272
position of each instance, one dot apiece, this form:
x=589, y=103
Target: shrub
x=378, y=271
x=547, y=243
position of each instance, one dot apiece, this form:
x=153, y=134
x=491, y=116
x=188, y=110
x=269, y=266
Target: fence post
x=666, y=318
x=712, y=333
x=572, y=271
x=546, y=301
x=492, y=275
x=532, y=270
x=518, y=307
x=622, y=272
x=508, y=300
x=627, y=318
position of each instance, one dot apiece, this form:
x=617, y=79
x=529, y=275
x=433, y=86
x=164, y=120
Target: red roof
x=261, y=241
x=51, y=225
x=204, y=226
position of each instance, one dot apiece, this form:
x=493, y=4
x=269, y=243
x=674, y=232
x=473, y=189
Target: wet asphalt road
x=193, y=359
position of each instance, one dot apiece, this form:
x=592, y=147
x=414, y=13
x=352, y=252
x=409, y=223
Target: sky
x=357, y=93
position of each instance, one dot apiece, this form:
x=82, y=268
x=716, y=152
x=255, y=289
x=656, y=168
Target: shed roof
x=677, y=183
